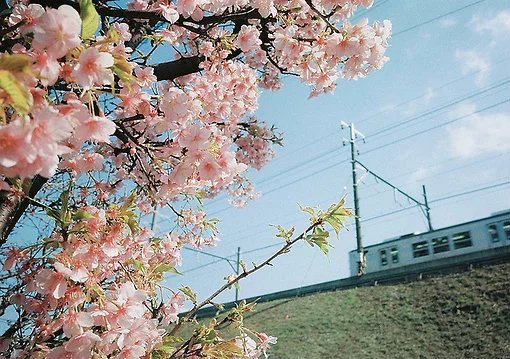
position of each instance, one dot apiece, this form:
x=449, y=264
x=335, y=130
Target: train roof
x=412, y=235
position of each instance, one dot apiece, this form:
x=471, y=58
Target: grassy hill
x=465, y=315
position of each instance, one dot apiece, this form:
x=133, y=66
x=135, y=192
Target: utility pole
x=427, y=208
x=237, y=270
x=153, y=221
x=361, y=252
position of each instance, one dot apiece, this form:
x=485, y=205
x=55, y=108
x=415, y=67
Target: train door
x=389, y=257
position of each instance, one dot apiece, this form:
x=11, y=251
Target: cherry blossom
x=93, y=68
x=95, y=133
x=57, y=31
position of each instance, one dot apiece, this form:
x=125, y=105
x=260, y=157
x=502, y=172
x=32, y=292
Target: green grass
x=465, y=315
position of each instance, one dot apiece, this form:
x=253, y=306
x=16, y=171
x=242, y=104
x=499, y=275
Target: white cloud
x=447, y=22
x=471, y=61
x=480, y=133
x=498, y=26
x=412, y=108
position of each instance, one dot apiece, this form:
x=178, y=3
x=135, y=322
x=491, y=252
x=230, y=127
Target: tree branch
x=236, y=279
x=12, y=206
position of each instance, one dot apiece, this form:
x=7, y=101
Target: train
x=470, y=241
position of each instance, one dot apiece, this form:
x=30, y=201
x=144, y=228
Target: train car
x=471, y=240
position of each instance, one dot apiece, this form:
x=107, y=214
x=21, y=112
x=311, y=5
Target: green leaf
x=284, y=233
x=81, y=214
x=138, y=265
x=320, y=239
x=163, y=267
x=89, y=19
x=172, y=340
x=189, y=293
x=19, y=96
x=310, y=211
x=15, y=62
x=336, y=215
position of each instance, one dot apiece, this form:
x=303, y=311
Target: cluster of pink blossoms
x=79, y=102
x=71, y=295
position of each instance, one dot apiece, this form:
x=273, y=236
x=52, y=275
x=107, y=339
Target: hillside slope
x=465, y=315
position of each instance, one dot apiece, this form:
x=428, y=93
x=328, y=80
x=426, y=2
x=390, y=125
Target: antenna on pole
x=154, y=215
x=238, y=261
x=354, y=134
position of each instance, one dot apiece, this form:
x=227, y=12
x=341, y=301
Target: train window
x=506, y=228
x=493, y=231
x=384, y=259
x=420, y=249
x=394, y=255
x=440, y=244
x=462, y=240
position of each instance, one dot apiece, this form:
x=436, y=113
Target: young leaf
x=189, y=293
x=336, y=214
x=15, y=62
x=163, y=267
x=320, y=239
x=89, y=19
x=284, y=233
x=20, y=98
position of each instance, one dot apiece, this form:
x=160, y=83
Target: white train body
x=476, y=236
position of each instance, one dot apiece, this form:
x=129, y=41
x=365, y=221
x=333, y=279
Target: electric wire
x=398, y=33
x=437, y=126
x=455, y=102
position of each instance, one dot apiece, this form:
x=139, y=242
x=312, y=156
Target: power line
x=437, y=126
x=471, y=191
x=290, y=183
x=204, y=265
x=436, y=18
x=436, y=174
x=446, y=84
x=301, y=164
x=455, y=102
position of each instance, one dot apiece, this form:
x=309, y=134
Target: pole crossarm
x=392, y=186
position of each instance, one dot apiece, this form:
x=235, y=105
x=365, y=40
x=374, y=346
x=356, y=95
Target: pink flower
x=30, y=14
x=265, y=342
x=95, y=128
x=186, y=7
x=89, y=162
x=169, y=12
x=194, y=138
x=265, y=7
x=15, y=145
x=145, y=76
x=93, y=68
x=208, y=168
x=50, y=282
x=79, y=274
x=170, y=310
x=123, y=29
x=248, y=38
x=13, y=255
x=81, y=345
x=57, y=31
x=176, y=105
x=74, y=322
x=47, y=67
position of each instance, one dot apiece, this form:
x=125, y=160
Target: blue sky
x=454, y=69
